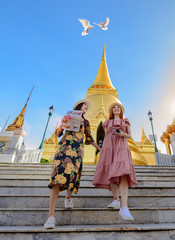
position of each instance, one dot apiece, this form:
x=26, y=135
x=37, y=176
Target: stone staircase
x=24, y=203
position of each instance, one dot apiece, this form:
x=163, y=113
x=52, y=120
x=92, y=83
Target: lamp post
x=51, y=109
x=151, y=119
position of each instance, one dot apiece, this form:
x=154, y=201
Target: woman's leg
x=114, y=191
x=68, y=201
x=53, y=199
x=68, y=194
x=123, y=186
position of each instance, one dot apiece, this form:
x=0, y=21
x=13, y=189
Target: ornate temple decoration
x=166, y=136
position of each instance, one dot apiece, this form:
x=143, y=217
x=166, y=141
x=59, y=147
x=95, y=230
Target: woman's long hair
x=78, y=107
x=111, y=115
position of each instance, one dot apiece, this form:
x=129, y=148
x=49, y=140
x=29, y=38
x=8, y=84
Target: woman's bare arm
x=96, y=146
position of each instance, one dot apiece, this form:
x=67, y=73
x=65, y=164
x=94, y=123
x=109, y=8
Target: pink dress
x=115, y=157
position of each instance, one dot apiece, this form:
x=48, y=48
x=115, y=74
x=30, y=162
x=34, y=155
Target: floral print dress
x=68, y=160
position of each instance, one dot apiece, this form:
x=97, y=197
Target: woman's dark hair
x=78, y=107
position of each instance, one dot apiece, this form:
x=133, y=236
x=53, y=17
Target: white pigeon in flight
x=86, y=26
x=103, y=25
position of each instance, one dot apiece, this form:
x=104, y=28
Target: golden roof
x=102, y=79
x=169, y=130
x=144, y=139
x=19, y=120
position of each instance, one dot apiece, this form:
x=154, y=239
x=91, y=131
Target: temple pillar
x=167, y=144
x=172, y=139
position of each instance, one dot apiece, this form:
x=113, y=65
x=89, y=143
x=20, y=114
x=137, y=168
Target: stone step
x=95, y=232
x=87, y=190
x=86, y=169
x=43, y=180
x=37, y=201
x=85, y=165
x=31, y=174
x=154, y=181
x=84, y=183
x=33, y=216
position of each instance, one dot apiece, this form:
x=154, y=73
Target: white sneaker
x=68, y=203
x=125, y=214
x=50, y=223
x=115, y=204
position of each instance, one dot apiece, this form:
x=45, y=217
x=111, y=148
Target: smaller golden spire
x=102, y=79
x=144, y=139
x=19, y=120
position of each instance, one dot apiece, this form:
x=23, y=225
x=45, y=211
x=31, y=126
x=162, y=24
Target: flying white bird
x=86, y=26
x=103, y=25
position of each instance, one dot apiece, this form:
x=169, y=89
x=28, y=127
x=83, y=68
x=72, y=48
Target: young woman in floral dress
x=115, y=166
x=67, y=163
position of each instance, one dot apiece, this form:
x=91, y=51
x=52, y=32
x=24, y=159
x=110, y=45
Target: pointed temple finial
x=53, y=139
x=102, y=80
x=144, y=139
x=104, y=53
x=19, y=120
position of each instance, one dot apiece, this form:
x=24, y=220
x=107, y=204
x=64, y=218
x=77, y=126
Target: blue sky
x=41, y=44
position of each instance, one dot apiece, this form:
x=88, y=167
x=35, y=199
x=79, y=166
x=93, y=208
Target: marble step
x=87, y=190
x=42, y=180
x=33, y=216
x=31, y=175
x=164, y=231
x=48, y=167
x=85, y=168
x=85, y=182
x=85, y=165
x=37, y=201
x=4, y=180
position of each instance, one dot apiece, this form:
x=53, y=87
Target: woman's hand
x=63, y=120
x=120, y=134
x=96, y=146
x=99, y=148
x=60, y=128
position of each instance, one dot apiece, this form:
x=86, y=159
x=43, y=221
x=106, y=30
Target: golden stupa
x=101, y=94
x=19, y=120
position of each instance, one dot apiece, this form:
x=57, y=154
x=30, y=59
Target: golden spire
x=102, y=79
x=19, y=120
x=144, y=139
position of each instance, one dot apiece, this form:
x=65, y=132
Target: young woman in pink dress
x=115, y=166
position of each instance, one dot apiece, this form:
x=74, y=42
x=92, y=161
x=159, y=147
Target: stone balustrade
x=165, y=159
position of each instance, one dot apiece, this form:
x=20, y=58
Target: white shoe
x=115, y=204
x=50, y=223
x=68, y=203
x=125, y=214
